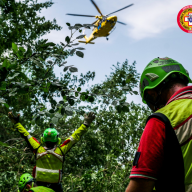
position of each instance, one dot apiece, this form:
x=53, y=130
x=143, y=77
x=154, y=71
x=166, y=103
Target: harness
x=172, y=175
x=48, y=149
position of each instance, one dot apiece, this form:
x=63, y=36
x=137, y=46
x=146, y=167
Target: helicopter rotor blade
x=121, y=23
x=94, y=22
x=80, y=15
x=120, y=9
x=96, y=7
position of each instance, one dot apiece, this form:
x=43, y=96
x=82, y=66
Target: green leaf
x=15, y=75
x=67, y=39
x=91, y=99
x=58, y=115
x=125, y=88
x=68, y=111
x=123, y=83
x=78, y=25
x=51, y=111
x=72, y=51
x=2, y=101
x=12, y=94
x=3, y=85
x=118, y=108
x=41, y=112
x=6, y=105
x=65, y=68
x=54, y=120
x=75, y=44
x=129, y=79
x=80, y=48
x=61, y=102
x=4, y=144
x=68, y=24
x=71, y=102
x=62, y=111
x=73, y=69
x=76, y=94
x=125, y=109
x=22, y=49
x=14, y=47
x=4, y=63
x=80, y=36
x=80, y=54
x=62, y=63
x=79, y=89
x=114, y=103
x=65, y=98
x=82, y=97
x=135, y=92
x=47, y=45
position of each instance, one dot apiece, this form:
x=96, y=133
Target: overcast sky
x=151, y=31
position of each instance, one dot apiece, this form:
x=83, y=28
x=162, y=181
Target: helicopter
x=102, y=26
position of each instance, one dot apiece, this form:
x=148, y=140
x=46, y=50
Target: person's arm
x=28, y=138
x=149, y=157
x=76, y=136
x=140, y=185
x=31, y=141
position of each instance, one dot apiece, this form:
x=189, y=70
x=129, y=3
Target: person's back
x=179, y=112
x=40, y=189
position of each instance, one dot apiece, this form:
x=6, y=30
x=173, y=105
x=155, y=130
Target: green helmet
x=24, y=180
x=157, y=71
x=50, y=134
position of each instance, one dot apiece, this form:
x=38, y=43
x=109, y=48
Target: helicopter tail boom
x=86, y=42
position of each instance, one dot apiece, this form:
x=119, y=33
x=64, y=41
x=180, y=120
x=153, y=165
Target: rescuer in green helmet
x=27, y=184
x=163, y=159
x=50, y=152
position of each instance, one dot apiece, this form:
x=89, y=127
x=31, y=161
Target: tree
x=102, y=160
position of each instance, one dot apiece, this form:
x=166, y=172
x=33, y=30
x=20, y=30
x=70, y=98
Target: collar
x=180, y=92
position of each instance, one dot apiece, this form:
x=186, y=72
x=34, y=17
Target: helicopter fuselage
x=102, y=28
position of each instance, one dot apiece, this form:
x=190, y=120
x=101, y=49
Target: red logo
x=184, y=19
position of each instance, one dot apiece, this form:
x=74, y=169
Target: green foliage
x=102, y=160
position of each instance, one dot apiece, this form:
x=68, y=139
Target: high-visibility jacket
x=179, y=113
x=41, y=189
x=49, y=161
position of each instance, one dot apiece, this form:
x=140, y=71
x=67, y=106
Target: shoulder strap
x=36, y=152
x=63, y=157
x=161, y=117
x=172, y=170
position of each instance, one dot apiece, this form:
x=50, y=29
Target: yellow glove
x=88, y=118
x=13, y=118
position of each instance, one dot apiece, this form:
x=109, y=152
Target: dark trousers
x=57, y=187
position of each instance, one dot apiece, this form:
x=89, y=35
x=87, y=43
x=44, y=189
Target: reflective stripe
x=180, y=95
x=51, y=151
x=188, y=95
x=184, y=132
x=72, y=139
x=188, y=188
x=47, y=175
x=29, y=136
x=179, y=112
x=46, y=170
x=139, y=175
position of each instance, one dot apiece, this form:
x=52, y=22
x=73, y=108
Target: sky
x=151, y=31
